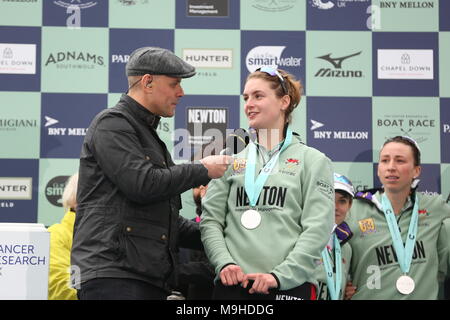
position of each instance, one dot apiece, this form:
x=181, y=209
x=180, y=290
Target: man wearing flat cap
x=127, y=225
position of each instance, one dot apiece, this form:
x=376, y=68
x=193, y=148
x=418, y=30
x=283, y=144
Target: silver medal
x=250, y=219
x=405, y=284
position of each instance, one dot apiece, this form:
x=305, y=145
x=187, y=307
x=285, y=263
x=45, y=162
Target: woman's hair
x=409, y=142
x=69, y=197
x=293, y=86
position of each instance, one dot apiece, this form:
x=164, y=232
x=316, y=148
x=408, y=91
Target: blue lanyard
x=404, y=253
x=334, y=285
x=253, y=188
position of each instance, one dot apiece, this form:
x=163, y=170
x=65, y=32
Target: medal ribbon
x=334, y=285
x=404, y=253
x=253, y=188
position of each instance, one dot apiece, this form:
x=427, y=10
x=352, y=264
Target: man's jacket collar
x=140, y=111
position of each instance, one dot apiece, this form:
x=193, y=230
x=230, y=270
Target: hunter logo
x=337, y=64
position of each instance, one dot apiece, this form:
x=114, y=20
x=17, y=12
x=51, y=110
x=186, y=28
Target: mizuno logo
x=337, y=62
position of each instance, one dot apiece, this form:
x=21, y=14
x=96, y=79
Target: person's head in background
x=270, y=96
x=399, y=165
x=343, y=197
x=69, y=197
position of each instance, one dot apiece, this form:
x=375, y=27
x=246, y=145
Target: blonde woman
x=60, y=245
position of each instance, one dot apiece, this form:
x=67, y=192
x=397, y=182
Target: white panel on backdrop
x=17, y=58
x=405, y=64
x=24, y=261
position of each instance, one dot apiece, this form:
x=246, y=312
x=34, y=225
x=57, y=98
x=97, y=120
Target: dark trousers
x=119, y=289
x=306, y=291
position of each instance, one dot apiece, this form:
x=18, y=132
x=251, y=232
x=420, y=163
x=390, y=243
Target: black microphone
x=236, y=142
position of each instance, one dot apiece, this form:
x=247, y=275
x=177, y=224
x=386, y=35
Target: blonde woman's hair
x=69, y=197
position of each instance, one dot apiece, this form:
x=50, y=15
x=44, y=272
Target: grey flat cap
x=158, y=61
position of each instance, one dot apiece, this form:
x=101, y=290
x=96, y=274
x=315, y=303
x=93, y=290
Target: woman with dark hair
x=399, y=238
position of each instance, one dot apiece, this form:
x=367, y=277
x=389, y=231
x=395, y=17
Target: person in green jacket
x=335, y=263
x=266, y=221
x=398, y=241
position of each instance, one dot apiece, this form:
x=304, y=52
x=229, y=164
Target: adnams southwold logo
x=75, y=60
x=274, y=5
x=336, y=135
x=405, y=64
x=209, y=58
x=332, y=4
x=16, y=188
x=270, y=56
x=338, y=72
x=17, y=58
x=53, y=130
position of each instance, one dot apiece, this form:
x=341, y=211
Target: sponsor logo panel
x=18, y=190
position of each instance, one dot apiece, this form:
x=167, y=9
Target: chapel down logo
x=17, y=58
x=338, y=72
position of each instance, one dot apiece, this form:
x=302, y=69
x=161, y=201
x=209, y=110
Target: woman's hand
x=231, y=275
x=350, y=290
x=262, y=282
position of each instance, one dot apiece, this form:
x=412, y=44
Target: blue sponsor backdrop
x=405, y=40
x=73, y=113
x=13, y=210
x=121, y=41
x=347, y=118
x=343, y=127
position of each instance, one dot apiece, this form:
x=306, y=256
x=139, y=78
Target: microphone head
x=237, y=141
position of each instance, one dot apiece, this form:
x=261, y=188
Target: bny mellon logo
x=50, y=121
x=316, y=124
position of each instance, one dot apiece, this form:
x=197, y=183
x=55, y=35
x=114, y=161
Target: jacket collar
x=140, y=111
x=343, y=232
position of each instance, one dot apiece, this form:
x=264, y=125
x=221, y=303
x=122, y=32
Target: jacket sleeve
x=117, y=149
x=212, y=225
x=316, y=221
x=59, y=274
x=444, y=248
x=189, y=234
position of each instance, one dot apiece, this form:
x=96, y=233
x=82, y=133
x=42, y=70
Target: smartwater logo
x=270, y=56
